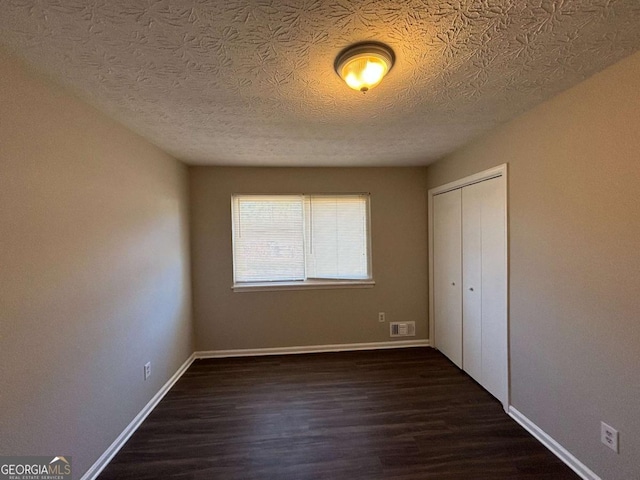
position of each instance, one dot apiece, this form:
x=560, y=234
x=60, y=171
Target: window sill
x=306, y=285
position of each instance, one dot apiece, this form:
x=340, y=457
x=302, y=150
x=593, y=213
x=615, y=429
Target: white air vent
x=402, y=329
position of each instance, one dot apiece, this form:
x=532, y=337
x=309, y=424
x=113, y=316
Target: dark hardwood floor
x=386, y=414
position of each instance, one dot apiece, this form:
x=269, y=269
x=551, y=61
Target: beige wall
x=574, y=205
x=231, y=320
x=94, y=278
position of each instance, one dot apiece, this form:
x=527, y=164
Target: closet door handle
x=471, y=289
x=453, y=283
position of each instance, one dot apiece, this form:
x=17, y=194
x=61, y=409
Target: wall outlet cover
x=609, y=436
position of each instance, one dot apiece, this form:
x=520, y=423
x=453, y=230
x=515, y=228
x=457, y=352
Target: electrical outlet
x=147, y=370
x=381, y=317
x=609, y=436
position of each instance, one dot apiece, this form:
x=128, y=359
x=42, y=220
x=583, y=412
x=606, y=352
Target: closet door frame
x=495, y=172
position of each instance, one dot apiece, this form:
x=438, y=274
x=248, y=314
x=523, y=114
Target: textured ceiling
x=240, y=82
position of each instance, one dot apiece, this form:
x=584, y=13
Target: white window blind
x=337, y=240
x=268, y=239
x=298, y=238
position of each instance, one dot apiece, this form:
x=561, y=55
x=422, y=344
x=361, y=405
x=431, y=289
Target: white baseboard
x=119, y=442
x=555, y=448
x=341, y=347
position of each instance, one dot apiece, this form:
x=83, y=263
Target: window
x=301, y=241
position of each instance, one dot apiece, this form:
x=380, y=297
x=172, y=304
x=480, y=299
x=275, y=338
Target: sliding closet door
x=484, y=285
x=469, y=277
x=447, y=248
x=472, y=198
x=494, y=290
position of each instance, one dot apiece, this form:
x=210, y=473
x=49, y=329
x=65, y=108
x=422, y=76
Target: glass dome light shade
x=363, y=66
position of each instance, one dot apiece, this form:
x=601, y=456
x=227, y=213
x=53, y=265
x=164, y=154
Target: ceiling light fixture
x=363, y=65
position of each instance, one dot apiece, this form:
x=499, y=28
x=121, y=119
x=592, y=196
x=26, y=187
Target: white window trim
x=310, y=283
x=301, y=285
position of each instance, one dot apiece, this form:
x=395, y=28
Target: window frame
x=306, y=283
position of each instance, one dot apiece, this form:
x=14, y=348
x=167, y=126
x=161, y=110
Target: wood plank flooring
x=386, y=414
